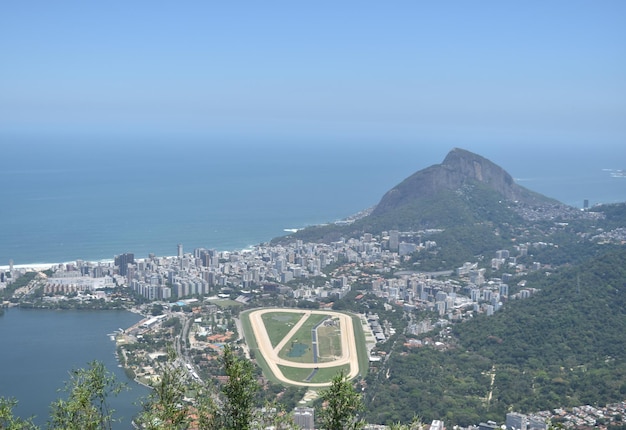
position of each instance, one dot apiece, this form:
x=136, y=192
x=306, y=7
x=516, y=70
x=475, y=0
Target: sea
x=94, y=197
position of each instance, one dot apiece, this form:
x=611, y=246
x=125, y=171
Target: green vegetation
x=562, y=347
x=86, y=407
x=302, y=341
x=342, y=406
x=328, y=342
x=474, y=221
x=167, y=407
x=9, y=421
x=568, y=340
x=239, y=393
x=226, y=303
x=22, y=281
x=361, y=347
x=278, y=324
x=321, y=375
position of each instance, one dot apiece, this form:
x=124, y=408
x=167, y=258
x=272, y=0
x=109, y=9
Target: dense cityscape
x=193, y=299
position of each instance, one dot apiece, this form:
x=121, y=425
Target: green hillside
x=562, y=347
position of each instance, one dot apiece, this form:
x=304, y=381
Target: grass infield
x=278, y=324
x=333, y=347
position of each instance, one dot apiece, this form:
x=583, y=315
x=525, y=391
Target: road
x=349, y=353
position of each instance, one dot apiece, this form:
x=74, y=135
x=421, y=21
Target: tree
x=415, y=424
x=86, y=407
x=8, y=421
x=239, y=391
x=157, y=309
x=165, y=408
x=341, y=405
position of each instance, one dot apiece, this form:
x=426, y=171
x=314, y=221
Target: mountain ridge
x=465, y=189
x=458, y=169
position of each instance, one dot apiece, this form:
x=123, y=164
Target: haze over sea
x=93, y=198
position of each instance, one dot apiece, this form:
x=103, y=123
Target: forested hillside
x=562, y=347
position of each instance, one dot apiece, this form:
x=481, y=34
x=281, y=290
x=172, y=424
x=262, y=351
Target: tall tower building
x=304, y=418
x=122, y=262
x=180, y=250
x=394, y=240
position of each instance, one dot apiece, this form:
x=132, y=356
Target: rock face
x=460, y=168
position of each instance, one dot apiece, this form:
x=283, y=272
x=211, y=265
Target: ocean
x=93, y=198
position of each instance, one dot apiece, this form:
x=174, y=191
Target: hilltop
x=465, y=188
x=473, y=205
x=460, y=170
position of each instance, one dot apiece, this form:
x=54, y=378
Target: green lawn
x=328, y=342
x=302, y=340
x=278, y=324
x=225, y=303
x=321, y=376
x=361, y=346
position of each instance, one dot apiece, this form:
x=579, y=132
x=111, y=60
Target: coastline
x=45, y=266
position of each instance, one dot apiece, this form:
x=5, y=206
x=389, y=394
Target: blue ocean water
x=91, y=198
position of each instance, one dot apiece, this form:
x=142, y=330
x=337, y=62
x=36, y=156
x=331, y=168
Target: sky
x=492, y=71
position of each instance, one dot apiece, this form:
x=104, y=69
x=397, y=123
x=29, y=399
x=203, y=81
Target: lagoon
x=39, y=348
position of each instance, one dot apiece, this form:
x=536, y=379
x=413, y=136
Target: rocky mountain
x=459, y=170
x=464, y=190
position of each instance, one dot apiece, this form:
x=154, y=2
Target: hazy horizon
x=543, y=73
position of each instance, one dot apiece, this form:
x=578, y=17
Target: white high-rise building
x=304, y=418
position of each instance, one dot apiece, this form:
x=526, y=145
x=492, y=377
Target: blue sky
x=534, y=71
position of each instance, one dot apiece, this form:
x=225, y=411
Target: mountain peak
x=470, y=166
x=459, y=169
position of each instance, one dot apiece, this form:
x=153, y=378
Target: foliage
x=565, y=345
x=561, y=347
x=415, y=424
x=473, y=204
x=342, y=405
x=240, y=392
x=615, y=214
x=20, y=282
x=10, y=422
x=436, y=384
x=157, y=309
x=86, y=406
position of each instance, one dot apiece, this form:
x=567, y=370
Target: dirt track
x=348, y=345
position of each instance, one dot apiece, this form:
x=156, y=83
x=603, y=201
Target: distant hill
x=459, y=171
x=465, y=190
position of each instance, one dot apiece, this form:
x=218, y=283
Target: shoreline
x=105, y=261
x=44, y=266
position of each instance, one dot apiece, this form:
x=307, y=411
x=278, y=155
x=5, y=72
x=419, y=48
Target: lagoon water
x=90, y=199
x=41, y=347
